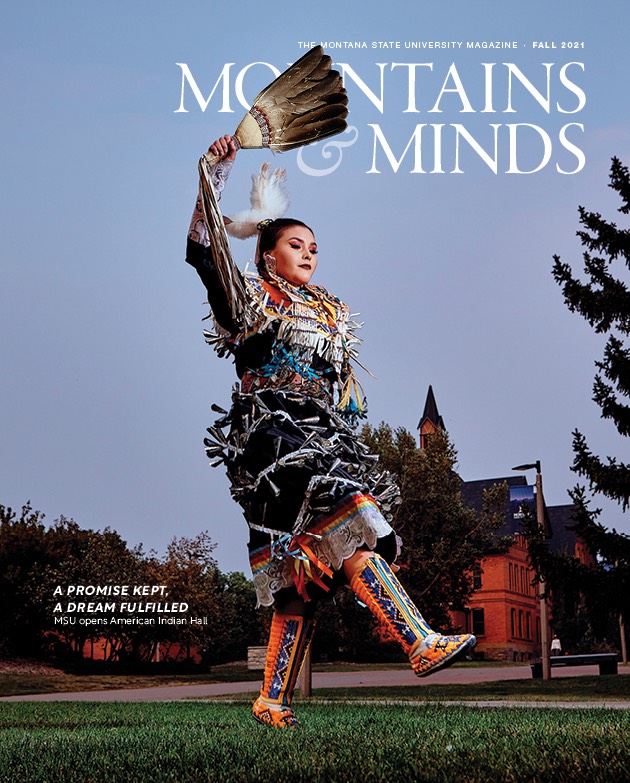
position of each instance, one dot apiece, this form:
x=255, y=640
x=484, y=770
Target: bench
x=607, y=662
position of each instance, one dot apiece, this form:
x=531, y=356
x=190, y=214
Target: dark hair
x=269, y=235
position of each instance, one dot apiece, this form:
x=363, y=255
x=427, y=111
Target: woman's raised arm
x=207, y=248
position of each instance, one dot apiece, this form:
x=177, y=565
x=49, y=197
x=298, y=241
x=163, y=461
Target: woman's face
x=295, y=254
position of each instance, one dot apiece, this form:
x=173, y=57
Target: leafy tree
x=22, y=563
x=192, y=576
x=347, y=631
x=604, y=301
x=80, y=556
x=443, y=538
x=239, y=623
x=35, y=559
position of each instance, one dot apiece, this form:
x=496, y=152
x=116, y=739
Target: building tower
x=431, y=421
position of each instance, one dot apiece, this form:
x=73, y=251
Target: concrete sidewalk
x=388, y=678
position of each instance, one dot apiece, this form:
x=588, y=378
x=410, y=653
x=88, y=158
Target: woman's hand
x=224, y=147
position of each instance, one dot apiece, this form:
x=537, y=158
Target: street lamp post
x=544, y=613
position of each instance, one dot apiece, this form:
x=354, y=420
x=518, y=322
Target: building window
x=528, y=630
x=520, y=624
x=510, y=577
x=513, y=621
x=478, y=622
x=477, y=577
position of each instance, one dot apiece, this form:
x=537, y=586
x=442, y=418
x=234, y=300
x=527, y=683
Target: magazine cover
x=474, y=133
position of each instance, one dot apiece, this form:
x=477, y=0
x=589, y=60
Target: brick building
x=504, y=610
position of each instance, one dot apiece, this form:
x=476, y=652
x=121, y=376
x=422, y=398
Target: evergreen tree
x=601, y=590
x=587, y=598
x=609, y=580
x=604, y=301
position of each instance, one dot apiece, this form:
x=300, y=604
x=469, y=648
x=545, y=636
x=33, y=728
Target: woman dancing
x=316, y=504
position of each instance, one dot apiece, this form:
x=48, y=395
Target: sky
x=106, y=382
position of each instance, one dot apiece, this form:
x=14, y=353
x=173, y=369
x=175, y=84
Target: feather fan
x=306, y=103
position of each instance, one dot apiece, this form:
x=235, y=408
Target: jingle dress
x=311, y=492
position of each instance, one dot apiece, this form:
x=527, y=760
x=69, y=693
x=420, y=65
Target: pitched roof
x=472, y=496
x=562, y=540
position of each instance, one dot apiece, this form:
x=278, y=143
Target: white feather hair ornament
x=268, y=200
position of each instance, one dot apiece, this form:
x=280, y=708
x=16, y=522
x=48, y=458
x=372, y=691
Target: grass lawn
x=186, y=742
